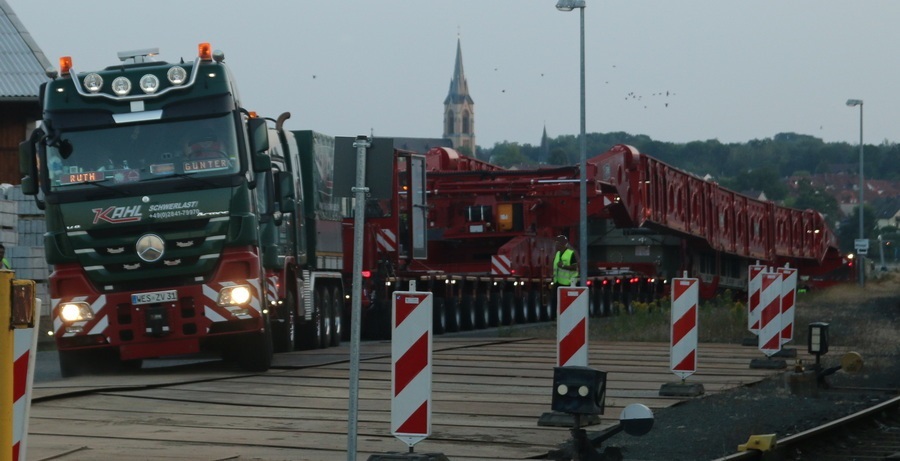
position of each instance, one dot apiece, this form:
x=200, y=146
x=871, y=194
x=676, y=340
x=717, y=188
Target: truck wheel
x=255, y=352
x=507, y=308
x=326, y=320
x=467, y=313
x=495, y=312
x=337, y=325
x=482, y=319
x=533, y=313
x=451, y=311
x=284, y=331
x=439, y=322
x=546, y=307
x=312, y=330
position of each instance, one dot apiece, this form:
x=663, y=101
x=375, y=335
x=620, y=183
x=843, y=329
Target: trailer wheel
x=312, y=330
x=284, y=331
x=482, y=317
x=533, y=308
x=451, y=311
x=439, y=321
x=337, y=325
x=507, y=307
x=547, y=307
x=495, y=311
x=467, y=313
x=326, y=320
x=255, y=352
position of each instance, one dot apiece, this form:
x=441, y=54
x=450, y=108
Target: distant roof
x=22, y=63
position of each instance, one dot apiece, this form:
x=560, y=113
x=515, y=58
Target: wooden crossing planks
x=487, y=397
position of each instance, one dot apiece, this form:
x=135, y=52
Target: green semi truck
x=155, y=181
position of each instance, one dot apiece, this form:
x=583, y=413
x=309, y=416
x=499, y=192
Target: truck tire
x=439, y=322
x=534, y=306
x=312, y=330
x=284, y=332
x=451, y=311
x=546, y=307
x=467, y=313
x=255, y=349
x=507, y=308
x=495, y=310
x=482, y=317
x=326, y=320
x=337, y=324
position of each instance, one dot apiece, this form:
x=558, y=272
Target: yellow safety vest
x=564, y=277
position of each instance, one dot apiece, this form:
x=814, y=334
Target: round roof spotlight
x=93, y=82
x=149, y=83
x=121, y=86
x=177, y=75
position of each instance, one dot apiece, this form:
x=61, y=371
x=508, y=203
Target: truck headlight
x=75, y=312
x=234, y=296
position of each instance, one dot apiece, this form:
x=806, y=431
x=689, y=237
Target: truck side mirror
x=258, y=134
x=284, y=187
x=28, y=162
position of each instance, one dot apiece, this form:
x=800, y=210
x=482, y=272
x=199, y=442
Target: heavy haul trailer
x=303, y=252
x=490, y=230
x=720, y=231
x=149, y=173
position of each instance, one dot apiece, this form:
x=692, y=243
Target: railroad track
x=870, y=434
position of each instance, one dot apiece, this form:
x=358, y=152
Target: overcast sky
x=674, y=70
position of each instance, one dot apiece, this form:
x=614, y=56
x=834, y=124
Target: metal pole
x=583, y=232
x=861, y=264
x=359, y=221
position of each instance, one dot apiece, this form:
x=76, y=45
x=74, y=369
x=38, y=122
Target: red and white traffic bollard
x=770, y=314
x=683, y=348
x=754, y=282
x=572, y=326
x=788, y=302
x=411, y=347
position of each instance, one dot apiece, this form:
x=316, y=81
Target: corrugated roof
x=22, y=63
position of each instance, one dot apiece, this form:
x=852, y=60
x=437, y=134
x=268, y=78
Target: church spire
x=459, y=109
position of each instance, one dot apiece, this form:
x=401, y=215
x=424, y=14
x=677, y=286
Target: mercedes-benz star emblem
x=150, y=247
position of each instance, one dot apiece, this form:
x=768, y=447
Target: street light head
x=569, y=5
x=854, y=102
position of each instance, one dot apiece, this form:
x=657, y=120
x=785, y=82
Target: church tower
x=459, y=110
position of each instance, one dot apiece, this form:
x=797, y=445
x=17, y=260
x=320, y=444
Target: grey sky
x=734, y=71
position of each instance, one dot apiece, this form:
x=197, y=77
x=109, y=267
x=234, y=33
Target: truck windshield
x=143, y=152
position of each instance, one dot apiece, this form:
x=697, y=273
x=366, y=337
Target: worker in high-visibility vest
x=565, y=263
x=4, y=263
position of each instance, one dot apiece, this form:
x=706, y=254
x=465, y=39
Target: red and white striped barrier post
x=683, y=350
x=788, y=302
x=572, y=326
x=683, y=346
x=500, y=265
x=24, y=353
x=754, y=283
x=770, y=313
x=411, y=366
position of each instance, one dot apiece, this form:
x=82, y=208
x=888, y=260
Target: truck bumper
x=182, y=325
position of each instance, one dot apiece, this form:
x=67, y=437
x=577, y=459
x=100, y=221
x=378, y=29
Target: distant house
x=22, y=71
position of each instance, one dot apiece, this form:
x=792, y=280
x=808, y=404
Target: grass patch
x=858, y=318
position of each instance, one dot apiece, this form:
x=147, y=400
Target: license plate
x=154, y=297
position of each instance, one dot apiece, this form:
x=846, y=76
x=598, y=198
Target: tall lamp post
x=569, y=5
x=860, y=264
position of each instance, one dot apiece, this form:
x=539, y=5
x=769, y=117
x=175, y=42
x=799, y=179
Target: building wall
x=15, y=118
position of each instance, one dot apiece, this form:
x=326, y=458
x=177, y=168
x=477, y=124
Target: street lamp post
x=860, y=264
x=569, y=5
